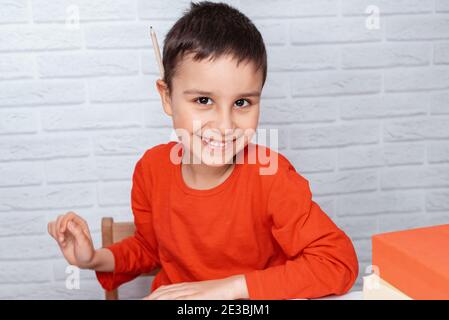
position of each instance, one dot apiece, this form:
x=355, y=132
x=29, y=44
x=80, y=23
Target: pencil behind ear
x=157, y=52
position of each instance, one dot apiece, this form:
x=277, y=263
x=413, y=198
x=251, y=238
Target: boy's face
x=215, y=105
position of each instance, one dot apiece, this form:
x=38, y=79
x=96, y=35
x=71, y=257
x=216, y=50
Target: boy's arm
x=125, y=260
x=103, y=261
x=321, y=258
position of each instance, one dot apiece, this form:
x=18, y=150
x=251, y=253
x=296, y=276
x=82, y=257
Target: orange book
x=415, y=261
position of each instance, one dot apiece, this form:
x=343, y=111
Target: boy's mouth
x=217, y=144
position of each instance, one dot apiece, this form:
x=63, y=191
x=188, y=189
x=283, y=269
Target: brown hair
x=211, y=30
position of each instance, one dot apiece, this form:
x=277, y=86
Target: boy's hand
x=71, y=232
x=222, y=289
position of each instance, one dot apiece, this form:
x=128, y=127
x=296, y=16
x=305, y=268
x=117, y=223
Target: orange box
x=415, y=261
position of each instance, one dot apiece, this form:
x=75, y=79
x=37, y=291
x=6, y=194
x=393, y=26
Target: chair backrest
x=112, y=232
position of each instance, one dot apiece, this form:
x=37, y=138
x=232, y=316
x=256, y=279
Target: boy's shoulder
x=268, y=161
x=157, y=155
x=275, y=168
x=264, y=166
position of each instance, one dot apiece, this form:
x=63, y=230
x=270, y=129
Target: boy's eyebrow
x=207, y=93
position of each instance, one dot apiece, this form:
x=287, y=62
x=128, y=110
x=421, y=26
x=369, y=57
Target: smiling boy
x=204, y=212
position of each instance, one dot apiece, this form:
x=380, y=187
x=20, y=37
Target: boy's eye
x=203, y=100
x=240, y=103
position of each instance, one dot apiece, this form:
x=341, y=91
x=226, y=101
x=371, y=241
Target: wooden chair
x=112, y=232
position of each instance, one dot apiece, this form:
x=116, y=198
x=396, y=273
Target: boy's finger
x=67, y=217
x=77, y=231
x=58, y=234
x=73, y=216
x=51, y=229
x=80, y=221
x=85, y=227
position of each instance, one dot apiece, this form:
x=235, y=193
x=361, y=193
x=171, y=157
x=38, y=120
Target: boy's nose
x=224, y=122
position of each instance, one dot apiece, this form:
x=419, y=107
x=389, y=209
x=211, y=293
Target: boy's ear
x=165, y=96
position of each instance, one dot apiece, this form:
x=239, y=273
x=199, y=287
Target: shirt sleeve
x=321, y=259
x=137, y=254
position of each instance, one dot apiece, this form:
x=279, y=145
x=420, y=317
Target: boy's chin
x=212, y=159
x=215, y=164
x=217, y=161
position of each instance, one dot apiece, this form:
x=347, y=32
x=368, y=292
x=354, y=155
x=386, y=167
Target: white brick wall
x=362, y=113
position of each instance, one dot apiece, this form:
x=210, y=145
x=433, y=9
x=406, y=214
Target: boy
x=212, y=221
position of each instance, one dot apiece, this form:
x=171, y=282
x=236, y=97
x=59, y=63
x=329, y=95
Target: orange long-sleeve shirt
x=266, y=227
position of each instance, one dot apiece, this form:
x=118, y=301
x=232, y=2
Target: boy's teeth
x=214, y=143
